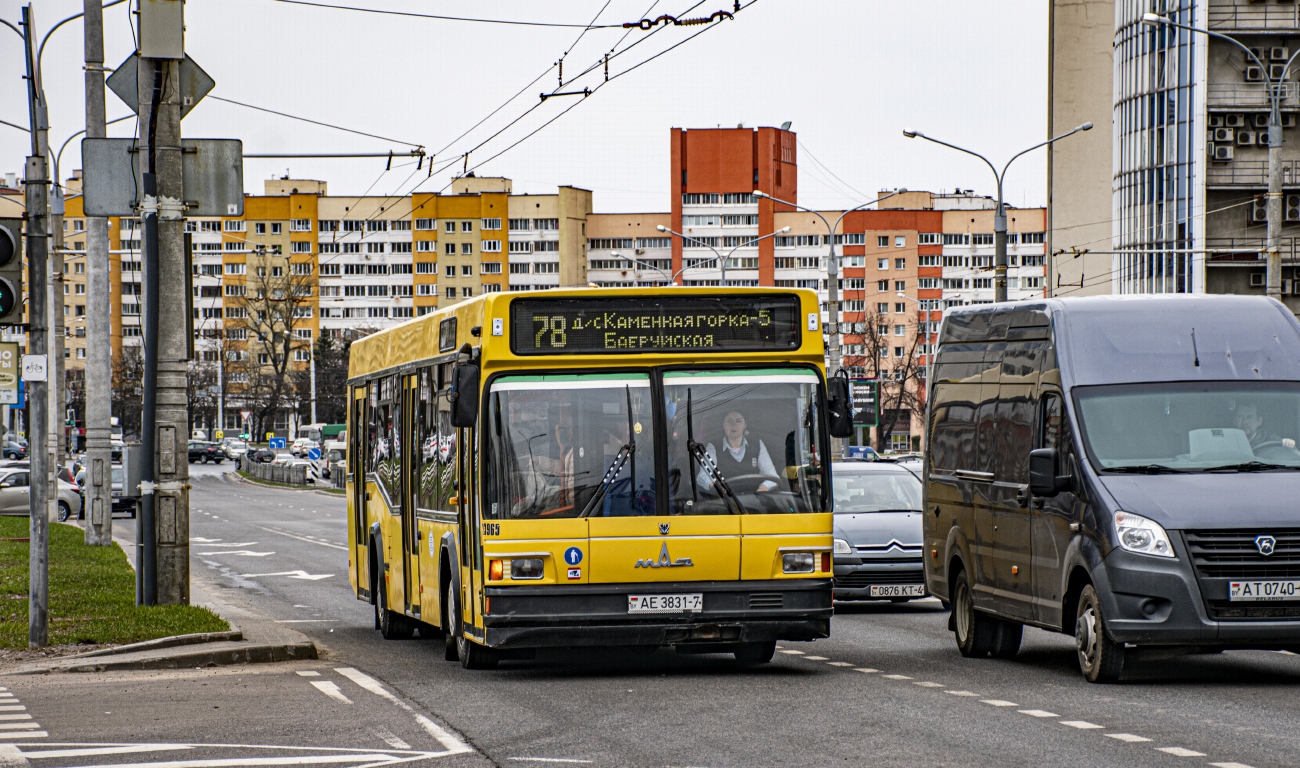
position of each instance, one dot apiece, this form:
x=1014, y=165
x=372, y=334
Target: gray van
x=1120, y=468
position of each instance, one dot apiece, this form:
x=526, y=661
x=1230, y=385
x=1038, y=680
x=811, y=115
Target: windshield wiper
x=699, y=454
x=616, y=465
x=1146, y=469
x=1249, y=466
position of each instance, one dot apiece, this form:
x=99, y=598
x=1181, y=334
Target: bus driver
x=738, y=458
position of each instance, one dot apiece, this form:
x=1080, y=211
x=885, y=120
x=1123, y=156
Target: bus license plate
x=1263, y=591
x=665, y=603
x=898, y=590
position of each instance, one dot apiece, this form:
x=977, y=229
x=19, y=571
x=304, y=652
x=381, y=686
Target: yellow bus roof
x=417, y=340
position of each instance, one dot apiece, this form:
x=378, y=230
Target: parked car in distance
x=234, y=448
x=13, y=450
x=302, y=446
x=335, y=455
x=15, y=494
x=203, y=451
x=878, y=537
x=261, y=455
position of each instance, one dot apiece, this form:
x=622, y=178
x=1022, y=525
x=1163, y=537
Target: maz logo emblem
x=663, y=529
x=665, y=561
x=1265, y=545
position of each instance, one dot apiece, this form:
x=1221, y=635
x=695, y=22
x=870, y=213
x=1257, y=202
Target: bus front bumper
x=597, y=614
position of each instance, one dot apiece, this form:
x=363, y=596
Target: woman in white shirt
x=738, y=457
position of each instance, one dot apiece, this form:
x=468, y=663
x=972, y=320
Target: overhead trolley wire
x=438, y=17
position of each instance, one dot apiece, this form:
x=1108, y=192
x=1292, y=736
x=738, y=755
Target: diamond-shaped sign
x=195, y=84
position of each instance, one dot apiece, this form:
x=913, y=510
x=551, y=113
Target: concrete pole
x=38, y=232
x=56, y=393
x=99, y=369
x=1273, y=236
x=313, y=387
x=1000, y=248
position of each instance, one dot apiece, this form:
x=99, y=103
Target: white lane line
x=449, y=741
x=331, y=690
x=15, y=717
x=793, y=653
x=1230, y=765
x=19, y=726
x=961, y=693
x=25, y=735
x=897, y=677
x=1128, y=737
x=391, y=739
x=815, y=658
x=865, y=670
x=1180, y=752
x=303, y=538
x=308, y=673
x=998, y=703
x=1082, y=725
x=549, y=759
x=1038, y=713
x=924, y=684
x=13, y=708
x=838, y=664
x=240, y=552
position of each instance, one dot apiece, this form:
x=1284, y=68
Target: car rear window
x=864, y=492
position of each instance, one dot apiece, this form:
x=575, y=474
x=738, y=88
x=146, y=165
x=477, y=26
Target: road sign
x=212, y=175
x=218, y=434
x=245, y=415
x=277, y=442
x=195, y=84
x=314, y=454
x=865, y=394
x=34, y=367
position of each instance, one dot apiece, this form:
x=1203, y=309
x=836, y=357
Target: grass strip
x=92, y=594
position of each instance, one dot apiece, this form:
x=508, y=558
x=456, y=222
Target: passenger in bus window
x=738, y=457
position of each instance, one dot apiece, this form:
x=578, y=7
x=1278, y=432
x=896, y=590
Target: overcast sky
x=849, y=74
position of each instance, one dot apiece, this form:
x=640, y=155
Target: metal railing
x=1249, y=95
x=1250, y=173
x=1278, y=16
x=1247, y=250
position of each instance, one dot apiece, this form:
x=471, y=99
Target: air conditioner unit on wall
x=1261, y=120
x=1222, y=153
x=1235, y=121
x=1224, y=135
x=1256, y=279
x=1276, y=72
x=1215, y=121
x=1279, y=53
x=1262, y=138
x=1254, y=74
x=1291, y=208
x=1288, y=119
x=1258, y=53
x=1259, y=210
x=1246, y=138
x=1286, y=287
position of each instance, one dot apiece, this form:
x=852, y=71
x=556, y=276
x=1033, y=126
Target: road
x=888, y=688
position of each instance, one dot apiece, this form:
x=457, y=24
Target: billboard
x=865, y=394
x=9, y=358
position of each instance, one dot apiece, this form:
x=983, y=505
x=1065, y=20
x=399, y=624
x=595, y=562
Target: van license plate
x=1263, y=591
x=898, y=590
x=665, y=603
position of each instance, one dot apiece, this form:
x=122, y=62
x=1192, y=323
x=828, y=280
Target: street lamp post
x=1276, y=90
x=1000, y=215
x=832, y=272
x=717, y=255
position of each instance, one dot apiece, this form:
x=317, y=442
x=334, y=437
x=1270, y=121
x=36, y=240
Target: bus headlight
x=526, y=568
x=842, y=547
x=1138, y=534
x=798, y=562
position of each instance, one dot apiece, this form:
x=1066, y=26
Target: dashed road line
x=793, y=652
x=998, y=703
x=1128, y=737
x=838, y=664
x=1230, y=765
x=896, y=677
x=815, y=658
x=961, y=693
x=331, y=690
x=1082, y=725
x=308, y=673
x=549, y=760
x=391, y=739
x=449, y=741
x=1037, y=713
x=1180, y=752
x=925, y=684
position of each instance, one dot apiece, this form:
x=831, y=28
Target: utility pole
x=38, y=231
x=99, y=369
x=313, y=385
x=165, y=517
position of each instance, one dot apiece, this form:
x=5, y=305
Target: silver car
x=15, y=494
x=878, y=543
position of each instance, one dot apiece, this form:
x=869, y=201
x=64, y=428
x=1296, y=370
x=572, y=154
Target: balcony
x=1248, y=96
x=1247, y=251
x=1271, y=17
x=1250, y=173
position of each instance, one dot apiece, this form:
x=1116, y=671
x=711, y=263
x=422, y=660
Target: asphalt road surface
x=888, y=688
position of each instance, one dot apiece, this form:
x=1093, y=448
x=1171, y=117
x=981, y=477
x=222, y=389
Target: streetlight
x=638, y=263
x=717, y=255
x=1276, y=89
x=1000, y=216
x=832, y=271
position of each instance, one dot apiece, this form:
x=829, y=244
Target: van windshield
x=1191, y=427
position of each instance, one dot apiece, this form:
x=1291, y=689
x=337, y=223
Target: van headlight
x=1138, y=534
x=842, y=547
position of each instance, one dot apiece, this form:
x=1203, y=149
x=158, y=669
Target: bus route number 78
x=557, y=326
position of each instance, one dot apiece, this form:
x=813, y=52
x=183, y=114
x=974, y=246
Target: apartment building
x=1188, y=150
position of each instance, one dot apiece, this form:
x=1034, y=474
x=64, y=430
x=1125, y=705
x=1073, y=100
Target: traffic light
x=11, y=271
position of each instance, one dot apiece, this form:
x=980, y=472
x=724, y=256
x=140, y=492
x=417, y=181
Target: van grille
x=860, y=579
x=1233, y=554
x=766, y=600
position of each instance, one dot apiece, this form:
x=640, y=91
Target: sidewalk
x=252, y=639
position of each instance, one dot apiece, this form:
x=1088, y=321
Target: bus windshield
x=744, y=442
x=570, y=446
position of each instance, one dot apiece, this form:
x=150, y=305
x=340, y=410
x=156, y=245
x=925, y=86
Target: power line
x=315, y=122
x=453, y=18
x=826, y=168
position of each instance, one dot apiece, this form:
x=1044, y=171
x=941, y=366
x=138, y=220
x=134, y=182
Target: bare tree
x=128, y=373
x=894, y=361
x=201, y=384
x=276, y=307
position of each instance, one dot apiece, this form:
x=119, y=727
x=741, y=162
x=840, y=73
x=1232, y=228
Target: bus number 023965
x=557, y=325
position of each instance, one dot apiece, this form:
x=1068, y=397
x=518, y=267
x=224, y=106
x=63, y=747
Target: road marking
x=25, y=735
x=961, y=693
x=839, y=664
x=1180, y=752
x=1230, y=765
x=924, y=684
x=1082, y=725
x=300, y=575
x=363, y=757
x=793, y=653
x=1038, y=713
x=15, y=717
x=1128, y=737
x=302, y=538
x=815, y=658
x=998, y=703
x=18, y=726
x=452, y=743
x=865, y=670
x=303, y=621
x=550, y=759
x=239, y=544
x=391, y=739
x=308, y=673
x=13, y=708
x=897, y=677
x=331, y=690
x=240, y=552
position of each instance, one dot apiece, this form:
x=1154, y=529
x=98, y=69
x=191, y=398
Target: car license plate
x=665, y=603
x=1263, y=591
x=898, y=590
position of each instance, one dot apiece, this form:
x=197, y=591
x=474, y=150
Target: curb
x=208, y=657
x=268, y=484
x=173, y=641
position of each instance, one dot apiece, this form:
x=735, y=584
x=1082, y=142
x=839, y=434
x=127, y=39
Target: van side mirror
x=1043, y=480
x=464, y=396
x=839, y=411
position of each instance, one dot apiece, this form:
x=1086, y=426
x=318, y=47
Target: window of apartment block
x=928, y=261
x=235, y=290
x=277, y=271
x=400, y=225
x=354, y=290
x=451, y=293
x=492, y=246
x=377, y=225
x=426, y=224
x=467, y=269
x=329, y=225
x=927, y=282
x=351, y=247
x=234, y=225
x=329, y=291
x=466, y=293
x=467, y=226
x=900, y=308
x=492, y=287
x=853, y=284
x=546, y=246
x=467, y=248
x=400, y=291
x=882, y=285
x=882, y=263
x=300, y=247
x=299, y=225
x=981, y=239
x=546, y=224
x=399, y=269
x=259, y=228
x=882, y=241
x=450, y=249
x=275, y=228
x=403, y=312
x=491, y=267
x=982, y=282
x=520, y=225
x=900, y=285
x=900, y=263
x=1031, y=282
x=491, y=224
x=376, y=269
x=698, y=198
x=426, y=268
x=375, y=247
x=427, y=289
x=353, y=225
x=451, y=226
x=329, y=270
x=378, y=312
x=235, y=269
x=958, y=239
x=400, y=247
x=302, y=269
x=1027, y=238
x=518, y=267
x=927, y=238
x=900, y=241
x=547, y=267
x=451, y=271
x=521, y=246
x=426, y=246
x=328, y=247
x=354, y=269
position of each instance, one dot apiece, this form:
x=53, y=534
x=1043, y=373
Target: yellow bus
x=596, y=467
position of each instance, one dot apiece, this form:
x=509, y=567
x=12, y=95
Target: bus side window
x=426, y=443
x=445, y=486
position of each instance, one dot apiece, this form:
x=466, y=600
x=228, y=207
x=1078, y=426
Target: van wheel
x=976, y=632
x=1007, y=644
x=1100, y=658
x=753, y=654
x=392, y=625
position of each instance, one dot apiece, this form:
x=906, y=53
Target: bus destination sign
x=687, y=323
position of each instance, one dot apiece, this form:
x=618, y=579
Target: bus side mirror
x=839, y=411
x=464, y=396
x=1043, y=480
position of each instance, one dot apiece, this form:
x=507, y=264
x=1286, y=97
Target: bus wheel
x=976, y=633
x=392, y=625
x=1100, y=658
x=450, y=623
x=753, y=654
x=471, y=654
